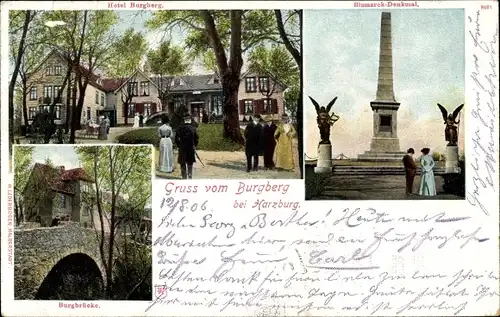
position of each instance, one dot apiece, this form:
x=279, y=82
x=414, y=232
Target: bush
x=454, y=183
x=140, y=136
x=210, y=138
x=132, y=269
x=314, y=183
x=436, y=156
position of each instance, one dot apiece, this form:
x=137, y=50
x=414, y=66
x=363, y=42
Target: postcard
x=250, y=158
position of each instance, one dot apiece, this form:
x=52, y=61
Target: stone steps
x=375, y=170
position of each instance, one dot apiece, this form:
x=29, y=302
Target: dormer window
x=144, y=88
x=133, y=88
x=216, y=80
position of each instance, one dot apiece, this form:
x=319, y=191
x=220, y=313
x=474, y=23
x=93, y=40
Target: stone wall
x=37, y=250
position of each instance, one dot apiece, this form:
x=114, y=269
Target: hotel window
x=178, y=101
x=102, y=99
x=249, y=106
x=31, y=113
x=250, y=84
x=47, y=91
x=217, y=105
x=147, y=109
x=133, y=88
x=33, y=93
x=63, y=201
x=57, y=89
x=49, y=70
x=131, y=110
x=264, y=84
x=267, y=105
x=57, y=70
x=57, y=112
x=86, y=210
x=144, y=88
x=97, y=97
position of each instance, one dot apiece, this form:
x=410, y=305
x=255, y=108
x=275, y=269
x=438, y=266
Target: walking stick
x=198, y=157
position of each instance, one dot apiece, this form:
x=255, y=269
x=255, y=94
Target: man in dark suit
x=410, y=170
x=186, y=139
x=253, y=143
x=269, y=142
x=141, y=120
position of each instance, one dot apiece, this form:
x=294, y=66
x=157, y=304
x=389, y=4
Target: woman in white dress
x=136, y=120
x=427, y=182
x=166, y=159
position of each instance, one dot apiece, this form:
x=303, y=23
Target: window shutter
x=242, y=106
x=274, y=106
x=153, y=107
x=125, y=110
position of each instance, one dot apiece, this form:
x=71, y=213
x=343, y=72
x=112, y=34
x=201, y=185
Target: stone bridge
x=38, y=250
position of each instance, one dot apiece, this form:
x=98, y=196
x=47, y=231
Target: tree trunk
x=15, y=73
x=75, y=118
x=230, y=86
x=25, y=111
x=111, y=246
x=230, y=71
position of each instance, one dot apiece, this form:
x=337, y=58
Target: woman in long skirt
x=284, y=135
x=166, y=159
x=427, y=181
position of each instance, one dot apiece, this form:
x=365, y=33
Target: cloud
x=341, y=52
x=59, y=155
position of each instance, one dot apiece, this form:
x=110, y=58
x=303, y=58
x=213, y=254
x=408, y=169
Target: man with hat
x=269, y=142
x=253, y=143
x=186, y=140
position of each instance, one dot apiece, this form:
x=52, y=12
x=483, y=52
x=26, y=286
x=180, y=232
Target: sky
x=137, y=20
x=60, y=155
x=341, y=55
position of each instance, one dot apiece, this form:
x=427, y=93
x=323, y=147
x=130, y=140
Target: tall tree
x=17, y=28
x=34, y=51
x=22, y=164
x=289, y=23
x=122, y=178
x=167, y=61
x=86, y=40
x=229, y=34
x=123, y=64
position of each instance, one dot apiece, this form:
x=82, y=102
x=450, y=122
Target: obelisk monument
x=385, y=143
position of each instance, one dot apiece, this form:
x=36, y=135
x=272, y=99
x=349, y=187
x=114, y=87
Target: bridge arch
x=37, y=251
x=75, y=277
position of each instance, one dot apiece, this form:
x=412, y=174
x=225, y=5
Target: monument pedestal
x=324, y=163
x=451, y=164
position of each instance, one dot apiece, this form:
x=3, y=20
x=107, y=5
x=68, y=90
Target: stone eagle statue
x=450, y=120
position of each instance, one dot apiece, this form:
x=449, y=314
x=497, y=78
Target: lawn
x=210, y=138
